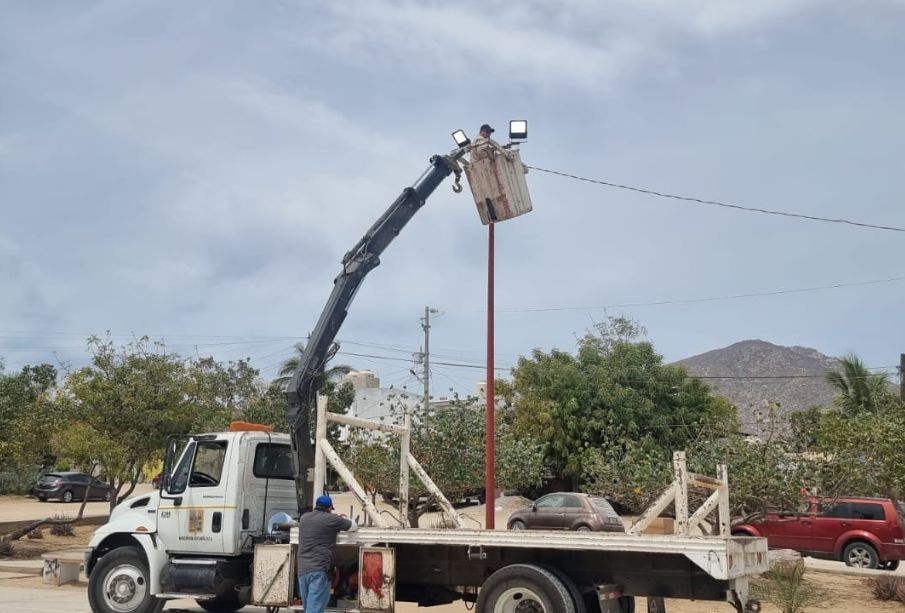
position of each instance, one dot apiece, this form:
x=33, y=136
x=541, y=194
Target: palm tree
x=334, y=373
x=857, y=388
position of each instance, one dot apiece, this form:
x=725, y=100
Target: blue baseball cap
x=324, y=501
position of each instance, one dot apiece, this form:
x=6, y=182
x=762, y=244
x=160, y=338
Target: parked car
x=70, y=486
x=568, y=511
x=862, y=532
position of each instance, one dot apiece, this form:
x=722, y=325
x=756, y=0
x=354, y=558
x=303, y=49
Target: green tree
x=268, y=407
x=615, y=391
x=449, y=442
x=858, y=389
x=219, y=392
x=334, y=373
x=864, y=453
x=26, y=406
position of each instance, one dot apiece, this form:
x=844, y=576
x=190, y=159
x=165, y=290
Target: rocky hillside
x=773, y=362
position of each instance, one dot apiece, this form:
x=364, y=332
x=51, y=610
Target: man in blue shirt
x=317, y=548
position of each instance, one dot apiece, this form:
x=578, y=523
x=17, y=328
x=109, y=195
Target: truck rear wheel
x=119, y=584
x=524, y=588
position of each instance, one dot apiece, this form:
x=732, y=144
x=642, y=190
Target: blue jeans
x=314, y=590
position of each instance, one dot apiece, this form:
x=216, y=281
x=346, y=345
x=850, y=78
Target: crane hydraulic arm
x=356, y=264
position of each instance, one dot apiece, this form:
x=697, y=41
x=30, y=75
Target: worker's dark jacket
x=317, y=540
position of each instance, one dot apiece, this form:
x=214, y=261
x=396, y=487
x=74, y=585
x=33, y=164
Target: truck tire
x=577, y=597
x=524, y=587
x=222, y=604
x=119, y=584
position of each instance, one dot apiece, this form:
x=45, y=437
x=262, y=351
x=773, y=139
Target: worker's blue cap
x=324, y=501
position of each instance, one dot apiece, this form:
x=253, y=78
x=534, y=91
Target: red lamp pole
x=490, y=480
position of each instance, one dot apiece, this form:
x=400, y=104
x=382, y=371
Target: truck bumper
x=894, y=552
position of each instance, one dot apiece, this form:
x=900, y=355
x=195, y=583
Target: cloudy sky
x=195, y=172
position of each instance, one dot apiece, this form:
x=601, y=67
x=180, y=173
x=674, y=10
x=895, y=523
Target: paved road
x=70, y=600
x=16, y=508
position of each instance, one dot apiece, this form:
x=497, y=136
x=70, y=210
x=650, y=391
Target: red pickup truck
x=862, y=532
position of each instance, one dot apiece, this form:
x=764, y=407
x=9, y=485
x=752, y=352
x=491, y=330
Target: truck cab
x=200, y=528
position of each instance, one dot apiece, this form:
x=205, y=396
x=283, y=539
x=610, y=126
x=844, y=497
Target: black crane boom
x=356, y=264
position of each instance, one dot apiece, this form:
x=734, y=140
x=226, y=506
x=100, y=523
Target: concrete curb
x=864, y=573
x=24, y=570
x=90, y=520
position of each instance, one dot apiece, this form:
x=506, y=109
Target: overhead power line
x=777, y=292
x=727, y=205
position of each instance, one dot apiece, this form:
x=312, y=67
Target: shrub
x=20, y=480
x=7, y=549
x=886, y=587
x=62, y=529
x=785, y=586
x=35, y=534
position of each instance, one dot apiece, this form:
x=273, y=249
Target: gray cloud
x=197, y=172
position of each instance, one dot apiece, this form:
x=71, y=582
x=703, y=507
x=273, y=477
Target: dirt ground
x=26, y=548
x=849, y=595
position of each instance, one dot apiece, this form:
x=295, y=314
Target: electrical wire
x=707, y=299
x=727, y=205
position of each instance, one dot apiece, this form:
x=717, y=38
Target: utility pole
x=902, y=375
x=489, y=473
x=426, y=326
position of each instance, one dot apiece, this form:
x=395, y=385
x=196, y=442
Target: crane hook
x=457, y=186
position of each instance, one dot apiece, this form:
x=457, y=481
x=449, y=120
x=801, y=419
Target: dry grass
x=7, y=549
x=888, y=587
x=62, y=529
x=35, y=534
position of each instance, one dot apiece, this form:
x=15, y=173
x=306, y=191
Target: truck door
x=268, y=487
x=191, y=515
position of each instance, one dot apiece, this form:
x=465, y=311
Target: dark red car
x=568, y=511
x=862, y=532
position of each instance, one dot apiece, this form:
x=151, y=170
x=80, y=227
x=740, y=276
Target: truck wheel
x=524, y=588
x=860, y=555
x=119, y=584
x=222, y=604
x=577, y=597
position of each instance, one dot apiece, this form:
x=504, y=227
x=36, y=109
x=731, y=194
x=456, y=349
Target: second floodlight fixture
x=461, y=138
x=518, y=129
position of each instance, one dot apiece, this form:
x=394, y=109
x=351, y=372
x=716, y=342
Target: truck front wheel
x=524, y=588
x=119, y=584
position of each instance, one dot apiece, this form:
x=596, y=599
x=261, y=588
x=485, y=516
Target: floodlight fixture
x=461, y=138
x=518, y=129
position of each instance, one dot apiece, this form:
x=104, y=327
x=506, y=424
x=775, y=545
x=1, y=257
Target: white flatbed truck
x=219, y=528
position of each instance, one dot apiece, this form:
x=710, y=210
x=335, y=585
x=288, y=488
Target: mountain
x=803, y=368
